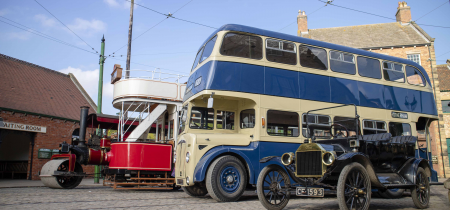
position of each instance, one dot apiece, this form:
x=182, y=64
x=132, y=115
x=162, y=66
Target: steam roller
x=128, y=165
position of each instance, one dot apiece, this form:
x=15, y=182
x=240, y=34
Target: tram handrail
x=156, y=74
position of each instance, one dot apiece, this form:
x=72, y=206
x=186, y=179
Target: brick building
x=39, y=109
x=404, y=39
x=444, y=87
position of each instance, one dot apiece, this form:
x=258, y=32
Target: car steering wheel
x=340, y=133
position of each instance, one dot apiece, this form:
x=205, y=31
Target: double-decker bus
x=249, y=90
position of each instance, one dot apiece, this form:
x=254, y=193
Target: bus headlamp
x=328, y=158
x=174, y=158
x=287, y=158
x=188, y=156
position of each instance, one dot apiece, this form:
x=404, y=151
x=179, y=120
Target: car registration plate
x=310, y=191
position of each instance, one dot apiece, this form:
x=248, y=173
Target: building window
x=313, y=57
x=414, y=57
x=368, y=67
x=241, y=45
x=281, y=51
x=342, y=62
x=446, y=106
x=225, y=120
x=281, y=123
x=393, y=72
x=248, y=118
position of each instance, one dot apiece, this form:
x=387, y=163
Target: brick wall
x=57, y=132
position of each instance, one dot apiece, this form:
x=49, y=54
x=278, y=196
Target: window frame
x=200, y=60
x=393, y=63
x=326, y=56
x=280, y=41
x=213, y=118
x=410, y=127
x=442, y=106
x=343, y=60
x=240, y=119
x=316, y=118
x=267, y=123
x=198, y=54
x=424, y=84
x=240, y=33
x=374, y=129
x=412, y=54
x=380, y=69
x=216, y=119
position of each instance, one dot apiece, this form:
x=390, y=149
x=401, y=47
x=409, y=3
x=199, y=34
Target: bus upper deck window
x=281, y=51
x=241, y=45
x=225, y=120
x=342, y=62
x=197, y=58
x=202, y=118
x=208, y=49
x=247, y=118
x=414, y=76
x=393, y=72
x=313, y=57
x=368, y=67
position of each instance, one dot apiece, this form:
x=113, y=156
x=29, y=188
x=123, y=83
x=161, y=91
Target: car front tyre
x=273, y=187
x=354, y=188
x=226, y=179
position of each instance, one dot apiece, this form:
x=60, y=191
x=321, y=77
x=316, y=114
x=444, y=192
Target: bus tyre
x=421, y=192
x=273, y=187
x=226, y=179
x=392, y=193
x=354, y=188
x=195, y=191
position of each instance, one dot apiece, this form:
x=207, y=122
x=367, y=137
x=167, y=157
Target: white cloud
x=44, y=20
x=89, y=81
x=120, y=4
x=88, y=27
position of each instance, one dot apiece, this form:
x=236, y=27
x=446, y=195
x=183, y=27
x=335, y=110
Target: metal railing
x=156, y=74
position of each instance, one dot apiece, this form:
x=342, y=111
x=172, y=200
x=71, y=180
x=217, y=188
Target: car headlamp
x=188, y=156
x=328, y=158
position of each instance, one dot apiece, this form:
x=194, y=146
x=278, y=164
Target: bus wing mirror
x=210, y=102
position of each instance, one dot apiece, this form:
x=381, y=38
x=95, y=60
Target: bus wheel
x=354, y=188
x=273, y=187
x=226, y=179
x=195, y=191
x=421, y=193
x=392, y=193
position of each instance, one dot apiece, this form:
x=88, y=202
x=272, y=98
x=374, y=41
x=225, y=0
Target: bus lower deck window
x=399, y=129
x=393, y=72
x=319, y=125
x=374, y=127
x=202, y=118
x=241, y=45
x=313, y=57
x=247, y=118
x=280, y=123
x=225, y=120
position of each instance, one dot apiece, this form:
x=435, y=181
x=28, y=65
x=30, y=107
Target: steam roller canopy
x=60, y=182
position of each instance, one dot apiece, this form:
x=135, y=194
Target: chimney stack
x=403, y=14
x=302, y=22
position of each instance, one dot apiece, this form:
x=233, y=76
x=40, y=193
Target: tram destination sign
x=23, y=127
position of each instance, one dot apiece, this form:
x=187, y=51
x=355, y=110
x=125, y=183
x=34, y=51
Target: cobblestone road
x=84, y=197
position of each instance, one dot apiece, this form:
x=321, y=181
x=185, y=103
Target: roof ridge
x=354, y=26
x=32, y=64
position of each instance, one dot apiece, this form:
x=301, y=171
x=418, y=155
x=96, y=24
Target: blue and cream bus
x=249, y=90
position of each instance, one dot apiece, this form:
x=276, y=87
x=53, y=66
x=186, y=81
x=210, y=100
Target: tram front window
x=202, y=118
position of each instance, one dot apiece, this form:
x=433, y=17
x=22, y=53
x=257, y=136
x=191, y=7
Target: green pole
x=99, y=101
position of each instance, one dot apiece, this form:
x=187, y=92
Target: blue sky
x=172, y=44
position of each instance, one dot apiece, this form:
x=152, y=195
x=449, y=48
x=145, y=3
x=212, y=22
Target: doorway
x=14, y=153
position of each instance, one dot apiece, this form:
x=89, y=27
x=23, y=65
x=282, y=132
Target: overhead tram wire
x=381, y=15
x=442, y=54
x=30, y=30
x=446, y=1
x=167, y=16
x=66, y=26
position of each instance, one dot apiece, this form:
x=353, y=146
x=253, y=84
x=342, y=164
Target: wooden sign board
x=116, y=75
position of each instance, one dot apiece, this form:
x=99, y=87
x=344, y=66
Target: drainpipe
x=31, y=159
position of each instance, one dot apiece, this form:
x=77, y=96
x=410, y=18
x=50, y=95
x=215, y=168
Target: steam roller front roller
x=55, y=174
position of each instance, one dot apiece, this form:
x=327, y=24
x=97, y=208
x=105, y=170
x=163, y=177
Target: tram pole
x=130, y=32
x=99, y=102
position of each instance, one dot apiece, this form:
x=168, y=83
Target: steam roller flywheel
x=51, y=180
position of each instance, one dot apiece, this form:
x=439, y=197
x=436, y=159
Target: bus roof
x=273, y=34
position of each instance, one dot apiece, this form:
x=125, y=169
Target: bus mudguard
x=202, y=166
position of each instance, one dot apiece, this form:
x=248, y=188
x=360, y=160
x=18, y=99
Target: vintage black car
x=350, y=164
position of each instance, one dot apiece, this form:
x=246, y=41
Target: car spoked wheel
x=273, y=187
x=230, y=179
x=354, y=188
x=421, y=193
x=226, y=179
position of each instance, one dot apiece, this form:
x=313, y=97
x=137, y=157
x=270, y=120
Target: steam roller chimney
x=83, y=125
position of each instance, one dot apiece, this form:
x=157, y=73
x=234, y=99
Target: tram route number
x=311, y=192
